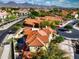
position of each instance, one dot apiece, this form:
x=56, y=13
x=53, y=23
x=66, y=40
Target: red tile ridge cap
x=41, y=41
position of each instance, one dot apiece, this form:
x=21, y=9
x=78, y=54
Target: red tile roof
x=38, y=37
x=51, y=18
x=38, y=20
x=32, y=21
x=42, y=33
x=37, y=42
x=27, y=31
x=44, y=38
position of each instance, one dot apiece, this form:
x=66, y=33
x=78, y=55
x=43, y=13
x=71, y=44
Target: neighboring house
x=32, y=22
x=3, y=14
x=52, y=18
x=37, y=39
x=23, y=11
x=75, y=14
x=64, y=12
x=36, y=22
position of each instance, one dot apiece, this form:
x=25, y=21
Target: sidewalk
x=5, y=49
x=8, y=36
x=64, y=24
x=1, y=50
x=4, y=27
x=6, y=52
x=67, y=46
x=75, y=27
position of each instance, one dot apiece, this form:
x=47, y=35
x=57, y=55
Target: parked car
x=74, y=22
x=11, y=32
x=63, y=29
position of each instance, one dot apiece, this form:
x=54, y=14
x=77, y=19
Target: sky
x=64, y=3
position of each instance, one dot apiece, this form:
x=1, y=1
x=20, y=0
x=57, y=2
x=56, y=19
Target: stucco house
x=3, y=14
x=37, y=39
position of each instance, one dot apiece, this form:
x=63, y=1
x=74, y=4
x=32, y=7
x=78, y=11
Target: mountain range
x=25, y=5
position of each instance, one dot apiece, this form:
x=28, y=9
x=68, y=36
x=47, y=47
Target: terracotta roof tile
x=32, y=21
x=47, y=31
x=41, y=32
x=51, y=18
x=27, y=31
x=30, y=39
x=38, y=20
x=36, y=42
x=44, y=38
x=38, y=37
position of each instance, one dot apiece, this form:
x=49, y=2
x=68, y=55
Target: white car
x=69, y=31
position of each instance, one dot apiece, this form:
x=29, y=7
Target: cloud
x=61, y=0
x=64, y=3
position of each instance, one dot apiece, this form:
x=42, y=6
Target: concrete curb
x=67, y=46
x=4, y=27
x=64, y=24
x=8, y=36
x=75, y=27
x=6, y=51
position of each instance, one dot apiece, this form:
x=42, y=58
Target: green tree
x=42, y=13
x=69, y=16
x=59, y=39
x=35, y=13
x=57, y=22
x=53, y=52
x=53, y=26
x=69, y=27
x=55, y=11
x=45, y=23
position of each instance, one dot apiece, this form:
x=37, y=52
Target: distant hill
x=25, y=5
x=22, y=5
x=11, y=3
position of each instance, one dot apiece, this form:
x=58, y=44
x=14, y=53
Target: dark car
x=63, y=29
x=11, y=32
x=75, y=21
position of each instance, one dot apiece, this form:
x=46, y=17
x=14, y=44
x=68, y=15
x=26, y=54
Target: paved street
x=4, y=27
x=7, y=28
x=74, y=34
